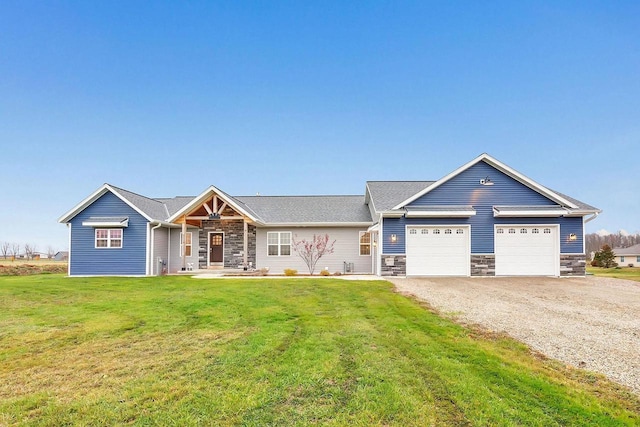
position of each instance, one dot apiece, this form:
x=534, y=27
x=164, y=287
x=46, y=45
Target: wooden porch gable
x=213, y=208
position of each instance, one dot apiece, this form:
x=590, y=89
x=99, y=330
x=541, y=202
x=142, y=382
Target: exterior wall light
x=573, y=237
x=394, y=238
x=486, y=182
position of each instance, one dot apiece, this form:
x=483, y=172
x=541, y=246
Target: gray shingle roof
x=308, y=209
x=174, y=204
x=154, y=209
x=387, y=194
x=632, y=250
x=304, y=209
x=581, y=205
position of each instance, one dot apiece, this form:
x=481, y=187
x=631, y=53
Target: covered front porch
x=226, y=237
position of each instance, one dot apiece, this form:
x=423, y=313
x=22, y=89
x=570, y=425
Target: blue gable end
x=465, y=189
x=86, y=259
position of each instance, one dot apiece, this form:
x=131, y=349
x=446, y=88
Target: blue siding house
x=482, y=219
x=125, y=255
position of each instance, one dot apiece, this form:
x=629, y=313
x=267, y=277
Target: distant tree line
x=594, y=242
x=28, y=251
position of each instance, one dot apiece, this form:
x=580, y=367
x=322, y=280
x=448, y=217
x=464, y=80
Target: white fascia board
x=440, y=214
x=439, y=182
x=501, y=167
x=93, y=197
x=198, y=200
x=368, y=198
x=83, y=204
x=527, y=181
x=375, y=227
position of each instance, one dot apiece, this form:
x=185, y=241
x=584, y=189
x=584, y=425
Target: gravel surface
x=591, y=323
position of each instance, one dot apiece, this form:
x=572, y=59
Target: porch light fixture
x=214, y=216
x=394, y=238
x=486, y=182
x=573, y=237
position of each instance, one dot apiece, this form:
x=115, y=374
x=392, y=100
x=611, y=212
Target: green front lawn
x=179, y=351
x=629, y=273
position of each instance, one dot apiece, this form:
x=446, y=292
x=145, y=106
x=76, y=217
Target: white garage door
x=438, y=251
x=527, y=250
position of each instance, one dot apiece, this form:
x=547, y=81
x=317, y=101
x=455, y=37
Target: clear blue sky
x=166, y=99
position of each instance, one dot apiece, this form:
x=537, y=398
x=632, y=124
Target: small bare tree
x=5, y=248
x=50, y=252
x=311, y=251
x=30, y=250
x=14, y=251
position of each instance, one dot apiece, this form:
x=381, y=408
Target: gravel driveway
x=591, y=323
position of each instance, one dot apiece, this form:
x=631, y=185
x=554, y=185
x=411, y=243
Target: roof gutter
x=593, y=216
x=393, y=213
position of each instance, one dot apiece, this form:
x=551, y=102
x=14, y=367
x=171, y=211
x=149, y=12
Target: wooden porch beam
x=199, y=218
x=206, y=206
x=224, y=205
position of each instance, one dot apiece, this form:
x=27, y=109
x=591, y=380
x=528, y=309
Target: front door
x=216, y=248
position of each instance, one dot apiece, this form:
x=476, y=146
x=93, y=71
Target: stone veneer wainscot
x=233, y=242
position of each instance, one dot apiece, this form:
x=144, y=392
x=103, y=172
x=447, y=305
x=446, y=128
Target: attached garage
x=438, y=250
x=526, y=250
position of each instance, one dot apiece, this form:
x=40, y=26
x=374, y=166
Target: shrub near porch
x=178, y=351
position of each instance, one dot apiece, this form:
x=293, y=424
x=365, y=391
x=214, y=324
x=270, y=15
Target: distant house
x=628, y=257
x=482, y=219
x=61, y=256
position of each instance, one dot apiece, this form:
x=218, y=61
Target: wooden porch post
x=245, y=243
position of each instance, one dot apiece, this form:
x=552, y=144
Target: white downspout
x=151, y=251
x=69, y=256
x=594, y=216
x=182, y=239
x=380, y=245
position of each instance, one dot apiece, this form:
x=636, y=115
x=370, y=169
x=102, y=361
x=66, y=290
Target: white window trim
x=183, y=246
x=360, y=244
x=108, y=238
x=279, y=244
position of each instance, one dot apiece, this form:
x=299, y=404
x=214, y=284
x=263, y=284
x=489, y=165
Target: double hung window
x=279, y=243
x=108, y=238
